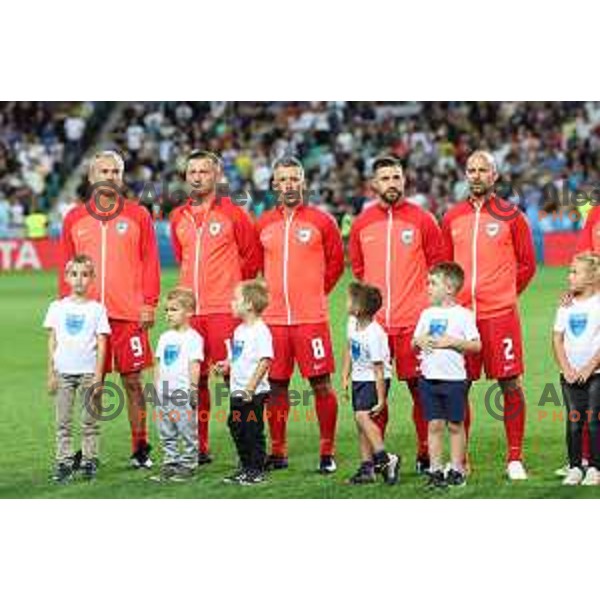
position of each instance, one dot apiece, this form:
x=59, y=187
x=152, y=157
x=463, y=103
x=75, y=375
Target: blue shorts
x=364, y=394
x=443, y=400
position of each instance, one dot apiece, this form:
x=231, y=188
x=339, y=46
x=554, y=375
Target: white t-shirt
x=580, y=323
x=436, y=321
x=76, y=326
x=368, y=346
x=251, y=343
x=175, y=351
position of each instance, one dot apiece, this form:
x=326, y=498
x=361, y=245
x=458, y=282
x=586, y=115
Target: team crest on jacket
x=214, y=228
x=303, y=235
x=492, y=229
x=121, y=227
x=407, y=236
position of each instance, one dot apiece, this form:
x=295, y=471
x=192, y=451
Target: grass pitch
x=27, y=421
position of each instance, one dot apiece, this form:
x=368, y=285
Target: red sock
x=278, y=410
x=514, y=422
x=203, y=410
x=585, y=442
x=326, y=405
x=381, y=420
x=138, y=437
x=418, y=418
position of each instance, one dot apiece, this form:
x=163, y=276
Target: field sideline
x=27, y=421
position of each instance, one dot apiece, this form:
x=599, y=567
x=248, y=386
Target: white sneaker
x=574, y=476
x=516, y=471
x=592, y=477
x=562, y=472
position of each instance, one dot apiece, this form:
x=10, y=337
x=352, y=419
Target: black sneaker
x=63, y=472
x=141, y=459
x=362, y=476
x=436, y=479
x=456, y=478
x=235, y=477
x=422, y=464
x=327, y=465
x=253, y=478
x=204, y=458
x=89, y=468
x=276, y=463
x=76, y=460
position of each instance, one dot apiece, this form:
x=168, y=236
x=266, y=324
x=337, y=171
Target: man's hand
x=147, y=317
x=425, y=343
x=52, y=383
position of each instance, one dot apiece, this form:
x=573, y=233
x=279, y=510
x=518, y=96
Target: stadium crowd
x=543, y=149
x=40, y=144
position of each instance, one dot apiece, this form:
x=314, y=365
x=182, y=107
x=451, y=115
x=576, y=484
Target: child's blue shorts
x=364, y=394
x=443, y=400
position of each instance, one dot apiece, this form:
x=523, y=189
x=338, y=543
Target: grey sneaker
x=89, y=469
x=63, y=472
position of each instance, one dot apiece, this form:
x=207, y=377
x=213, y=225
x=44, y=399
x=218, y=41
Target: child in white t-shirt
x=77, y=330
x=444, y=333
x=366, y=363
x=179, y=352
x=576, y=344
x=248, y=367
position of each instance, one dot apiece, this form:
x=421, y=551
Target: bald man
x=490, y=239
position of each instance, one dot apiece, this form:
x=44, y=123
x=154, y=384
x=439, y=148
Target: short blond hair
x=184, y=297
x=112, y=154
x=592, y=261
x=256, y=294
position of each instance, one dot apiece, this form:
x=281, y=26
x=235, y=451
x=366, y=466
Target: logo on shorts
x=214, y=228
x=437, y=327
x=236, y=350
x=492, y=229
x=407, y=236
x=303, y=235
x=171, y=354
x=121, y=227
x=355, y=349
x=578, y=323
x=74, y=323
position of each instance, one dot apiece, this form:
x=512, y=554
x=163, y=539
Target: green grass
x=27, y=421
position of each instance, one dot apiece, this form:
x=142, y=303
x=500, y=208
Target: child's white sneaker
x=592, y=477
x=574, y=476
x=516, y=471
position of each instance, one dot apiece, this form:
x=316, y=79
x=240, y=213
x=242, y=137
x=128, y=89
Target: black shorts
x=364, y=394
x=443, y=400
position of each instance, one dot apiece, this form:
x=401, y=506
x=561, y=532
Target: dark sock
x=380, y=458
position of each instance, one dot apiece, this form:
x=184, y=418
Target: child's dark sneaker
x=436, y=479
x=362, y=476
x=89, y=469
x=63, y=472
x=455, y=478
x=276, y=463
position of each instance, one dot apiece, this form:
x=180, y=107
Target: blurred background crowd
x=545, y=151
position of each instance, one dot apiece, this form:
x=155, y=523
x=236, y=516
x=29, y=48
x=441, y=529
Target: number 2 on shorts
x=508, y=349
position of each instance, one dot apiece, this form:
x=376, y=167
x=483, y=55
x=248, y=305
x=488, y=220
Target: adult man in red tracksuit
x=216, y=244
x=118, y=235
x=491, y=240
x=303, y=259
x=393, y=244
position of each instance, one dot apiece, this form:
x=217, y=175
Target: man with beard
x=491, y=240
x=393, y=245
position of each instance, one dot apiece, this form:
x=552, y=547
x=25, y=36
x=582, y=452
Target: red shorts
x=217, y=332
x=308, y=344
x=128, y=347
x=501, y=348
x=403, y=354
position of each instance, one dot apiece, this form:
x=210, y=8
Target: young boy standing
x=367, y=360
x=576, y=343
x=179, y=353
x=77, y=330
x=444, y=333
x=251, y=357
